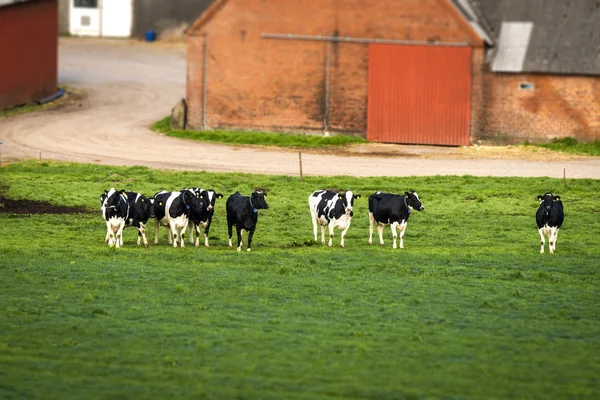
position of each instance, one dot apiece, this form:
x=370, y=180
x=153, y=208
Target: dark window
x=86, y=3
x=526, y=86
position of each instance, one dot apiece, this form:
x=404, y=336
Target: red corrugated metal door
x=419, y=94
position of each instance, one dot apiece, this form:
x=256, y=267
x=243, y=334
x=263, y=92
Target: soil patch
x=8, y=206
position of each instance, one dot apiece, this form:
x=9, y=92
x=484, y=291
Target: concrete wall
x=169, y=18
x=554, y=107
x=258, y=83
x=29, y=45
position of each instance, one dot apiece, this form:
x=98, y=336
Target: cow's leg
x=315, y=224
x=142, y=229
x=230, y=232
x=107, y=233
x=206, y=230
x=156, y=226
x=542, y=240
x=110, y=234
x=192, y=229
x=169, y=235
x=197, y=242
x=402, y=228
x=552, y=239
x=119, y=237
x=250, y=235
x=371, y=223
x=173, y=231
x=331, y=227
x=323, y=234
x=239, y=237
x=555, y=238
x=394, y=226
x=380, y=232
x=344, y=234
x=182, y=236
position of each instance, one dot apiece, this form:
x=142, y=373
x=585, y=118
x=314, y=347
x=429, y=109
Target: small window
x=86, y=3
x=526, y=86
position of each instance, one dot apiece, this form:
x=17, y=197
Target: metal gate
x=419, y=94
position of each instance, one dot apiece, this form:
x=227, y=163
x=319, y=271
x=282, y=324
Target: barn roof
x=544, y=36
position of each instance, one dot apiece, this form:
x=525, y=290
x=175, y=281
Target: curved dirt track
x=131, y=84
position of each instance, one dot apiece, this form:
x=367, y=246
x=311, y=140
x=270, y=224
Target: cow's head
x=191, y=201
x=113, y=201
x=348, y=201
x=103, y=197
x=209, y=196
x=547, y=200
x=412, y=201
x=151, y=208
x=258, y=199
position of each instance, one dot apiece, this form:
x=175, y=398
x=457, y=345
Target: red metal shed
x=29, y=49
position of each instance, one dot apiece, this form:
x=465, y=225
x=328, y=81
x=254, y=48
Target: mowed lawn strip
x=469, y=309
x=239, y=137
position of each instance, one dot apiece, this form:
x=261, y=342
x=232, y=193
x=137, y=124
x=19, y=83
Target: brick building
x=405, y=71
x=29, y=48
x=543, y=78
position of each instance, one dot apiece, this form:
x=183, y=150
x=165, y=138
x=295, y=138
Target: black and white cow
x=549, y=218
x=121, y=209
x=242, y=212
x=203, y=219
x=173, y=210
x=394, y=210
x=331, y=208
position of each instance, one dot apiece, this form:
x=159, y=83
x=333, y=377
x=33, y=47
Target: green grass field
x=468, y=310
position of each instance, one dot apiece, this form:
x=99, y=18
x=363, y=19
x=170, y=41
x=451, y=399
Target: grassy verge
x=469, y=309
x=257, y=138
x=573, y=146
x=70, y=96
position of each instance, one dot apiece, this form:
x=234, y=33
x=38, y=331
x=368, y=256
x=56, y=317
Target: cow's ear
x=406, y=194
x=219, y=196
x=340, y=196
x=357, y=196
x=105, y=191
x=556, y=197
x=123, y=191
x=540, y=197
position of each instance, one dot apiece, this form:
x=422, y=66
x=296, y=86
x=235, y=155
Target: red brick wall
x=556, y=106
x=28, y=49
x=258, y=83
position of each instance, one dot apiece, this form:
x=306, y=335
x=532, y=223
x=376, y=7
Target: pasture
x=468, y=310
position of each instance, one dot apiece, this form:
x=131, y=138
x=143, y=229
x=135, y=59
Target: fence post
x=300, y=162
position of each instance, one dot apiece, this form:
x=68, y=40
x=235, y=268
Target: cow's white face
x=413, y=202
x=349, y=201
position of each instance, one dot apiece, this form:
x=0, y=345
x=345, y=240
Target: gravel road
x=130, y=84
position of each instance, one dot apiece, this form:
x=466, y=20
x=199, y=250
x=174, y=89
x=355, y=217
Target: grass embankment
x=573, y=146
x=257, y=138
x=469, y=309
x=69, y=97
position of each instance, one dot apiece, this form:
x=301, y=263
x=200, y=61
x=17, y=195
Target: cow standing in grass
x=333, y=209
x=173, y=209
x=549, y=219
x=242, y=212
x=121, y=209
x=393, y=210
x=203, y=218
